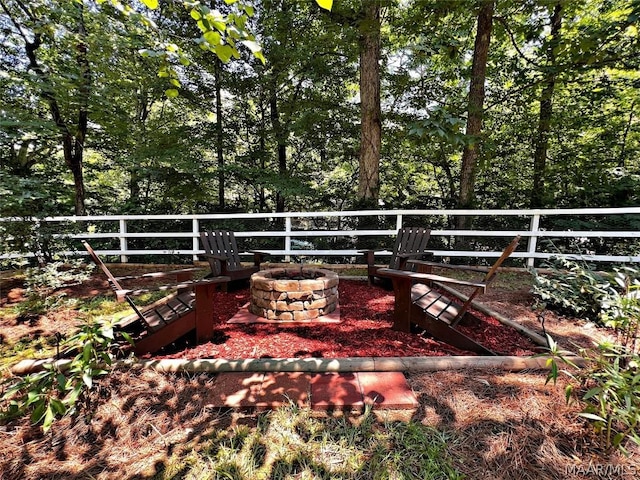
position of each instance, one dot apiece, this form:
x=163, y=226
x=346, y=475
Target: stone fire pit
x=293, y=294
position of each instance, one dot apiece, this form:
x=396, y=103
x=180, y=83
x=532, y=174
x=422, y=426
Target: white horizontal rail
x=192, y=222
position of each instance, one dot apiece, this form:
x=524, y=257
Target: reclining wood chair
x=171, y=317
x=411, y=243
x=419, y=300
x=221, y=251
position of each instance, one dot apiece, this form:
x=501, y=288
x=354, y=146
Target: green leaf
x=88, y=381
x=260, y=57
x=224, y=52
x=38, y=413
x=591, y=393
x=171, y=93
x=592, y=416
x=326, y=4
x=212, y=37
x=152, y=4
x=253, y=46
x=49, y=417
x=86, y=352
x=57, y=406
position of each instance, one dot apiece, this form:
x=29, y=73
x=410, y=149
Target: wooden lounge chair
x=419, y=299
x=411, y=243
x=171, y=317
x=221, y=251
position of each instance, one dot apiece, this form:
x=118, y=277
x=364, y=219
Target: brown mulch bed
x=365, y=330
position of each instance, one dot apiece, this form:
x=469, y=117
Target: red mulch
x=365, y=330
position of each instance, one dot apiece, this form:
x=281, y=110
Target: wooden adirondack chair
x=171, y=317
x=411, y=243
x=419, y=300
x=221, y=251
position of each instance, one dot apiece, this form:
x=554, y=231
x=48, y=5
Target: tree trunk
x=72, y=144
x=219, y=134
x=371, y=126
x=546, y=112
x=475, y=112
x=282, y=149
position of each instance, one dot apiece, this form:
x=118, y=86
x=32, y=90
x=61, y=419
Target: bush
x=573, y=288
x=53, y=393
x=609, y=383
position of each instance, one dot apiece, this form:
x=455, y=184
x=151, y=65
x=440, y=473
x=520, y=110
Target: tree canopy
x=185, y=106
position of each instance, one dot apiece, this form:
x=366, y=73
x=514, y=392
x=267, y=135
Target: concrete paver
x=387, y=390
x=320, y=391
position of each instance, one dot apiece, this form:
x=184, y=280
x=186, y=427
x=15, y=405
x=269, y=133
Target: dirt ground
x=504, y=425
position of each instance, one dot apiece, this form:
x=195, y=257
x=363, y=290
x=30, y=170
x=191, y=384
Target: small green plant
x=609, y=382
x=573, y=287
x=621, y=309
x=56, y=392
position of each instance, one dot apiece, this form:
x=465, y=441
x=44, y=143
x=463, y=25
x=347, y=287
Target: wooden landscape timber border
x=316, y=365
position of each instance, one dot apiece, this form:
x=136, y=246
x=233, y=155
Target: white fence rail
x=295, y=231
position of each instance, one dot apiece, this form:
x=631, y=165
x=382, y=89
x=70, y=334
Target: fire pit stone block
x=293, y=294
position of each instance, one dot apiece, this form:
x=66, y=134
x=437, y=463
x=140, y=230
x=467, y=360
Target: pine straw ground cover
x=476, y=424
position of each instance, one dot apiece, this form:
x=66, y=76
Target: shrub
x=54, y=393
x=609, y=383
x=573, y=288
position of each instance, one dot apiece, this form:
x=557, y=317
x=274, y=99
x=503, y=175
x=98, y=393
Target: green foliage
x=573, y=287
x=621, y=309
x=609, y=383
x=612, y=384
x=44, y=280
x=55, y=392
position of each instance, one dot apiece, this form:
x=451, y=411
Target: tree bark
x=546, y=112
x=475, y=112
x=219, y=134
x=282, y=148
x=371, y=125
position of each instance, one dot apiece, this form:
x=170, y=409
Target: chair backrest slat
x=409, y=240
x=113, y=281
x=221, y=243
x=490, y=275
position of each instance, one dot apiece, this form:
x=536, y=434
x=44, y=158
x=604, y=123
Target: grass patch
x=291, y=442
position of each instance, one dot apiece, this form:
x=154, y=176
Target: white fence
x=297, y=232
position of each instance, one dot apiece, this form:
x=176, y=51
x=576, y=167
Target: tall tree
x=30, y=23
x=546, y=110
x=475, y=110
x=370, y=111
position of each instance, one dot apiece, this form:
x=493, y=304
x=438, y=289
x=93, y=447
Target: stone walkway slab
x=320, y=391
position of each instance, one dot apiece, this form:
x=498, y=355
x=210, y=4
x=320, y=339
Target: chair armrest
x=405, y=258
x=258, y=256
x=160, y=274
x=428, y=277
x=121, y=294
x=428, y=263
x=369, y=255
x=222, y=258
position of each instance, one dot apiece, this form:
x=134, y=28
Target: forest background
x=111, y=107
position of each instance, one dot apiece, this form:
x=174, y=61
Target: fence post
x=399, y=221
x=533, y=239
x=196, y=233
x=287, y=238
x=123, y=241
